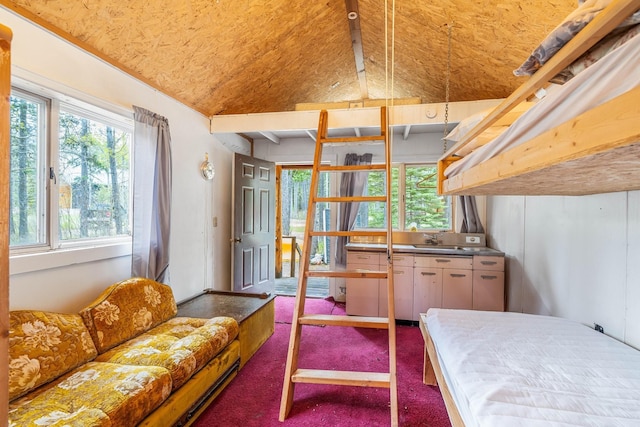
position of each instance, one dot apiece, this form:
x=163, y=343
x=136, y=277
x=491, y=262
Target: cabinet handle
x=363, y=257
x=427, y=273
x=486, y=277
x=398, y=271
x=457, y=275
x=488, y=262
x=398, y=258
x=442, y=260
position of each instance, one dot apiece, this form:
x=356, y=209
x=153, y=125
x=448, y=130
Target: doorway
x=292, y=198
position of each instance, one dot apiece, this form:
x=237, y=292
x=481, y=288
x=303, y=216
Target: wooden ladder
x=348, y=378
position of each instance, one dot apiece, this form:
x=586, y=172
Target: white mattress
x=513, y=369
x=613, y=75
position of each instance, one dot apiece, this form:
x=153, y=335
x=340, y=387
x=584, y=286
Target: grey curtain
x=151, y=195
x=470, y=218
x=352, y=184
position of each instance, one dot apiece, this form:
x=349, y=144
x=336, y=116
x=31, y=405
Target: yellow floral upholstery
x=43, y=346
x=127, y=309
x=115, y=362
x=181, y=345
x=96, y=394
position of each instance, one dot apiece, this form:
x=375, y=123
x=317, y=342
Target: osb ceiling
x=248, y=56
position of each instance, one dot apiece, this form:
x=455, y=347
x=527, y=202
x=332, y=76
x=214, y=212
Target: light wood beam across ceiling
x=353, y=15
x=271, y=137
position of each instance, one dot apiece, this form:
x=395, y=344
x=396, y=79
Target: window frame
x=402, y=202
x=96, y=247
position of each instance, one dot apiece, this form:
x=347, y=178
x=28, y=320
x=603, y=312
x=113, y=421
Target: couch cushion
x=127, y=309
x=125, y=394
x=43, y=346
x=182, y=345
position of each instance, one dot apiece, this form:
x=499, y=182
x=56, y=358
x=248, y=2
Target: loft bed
x=516, y=369
x=560, y=146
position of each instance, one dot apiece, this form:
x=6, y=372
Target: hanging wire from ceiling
x=389, y=91
x=446, y=90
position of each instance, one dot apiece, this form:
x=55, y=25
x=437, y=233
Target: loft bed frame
x=595, y=152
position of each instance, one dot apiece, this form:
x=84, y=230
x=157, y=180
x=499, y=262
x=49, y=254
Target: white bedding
x=613, y=75
x=514, y=369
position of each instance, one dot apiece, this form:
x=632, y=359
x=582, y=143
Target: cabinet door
x=362, y=294
x=403, y=293
x=488, y=290
x=457, y=289
x=427, y=290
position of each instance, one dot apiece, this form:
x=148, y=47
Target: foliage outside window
x=71, y=188
x=415, y=201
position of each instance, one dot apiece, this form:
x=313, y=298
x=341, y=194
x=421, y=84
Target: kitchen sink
x=436, y=248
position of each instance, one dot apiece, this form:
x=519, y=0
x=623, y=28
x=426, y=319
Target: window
x=415, y=201
x=70, y=168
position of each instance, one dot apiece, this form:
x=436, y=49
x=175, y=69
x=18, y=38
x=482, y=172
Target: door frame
x=279, y=169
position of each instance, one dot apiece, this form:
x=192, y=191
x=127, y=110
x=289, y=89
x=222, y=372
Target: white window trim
x=32, y=262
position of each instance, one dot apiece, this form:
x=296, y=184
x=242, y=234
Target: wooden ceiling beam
x=353, y=15
x=271, y=137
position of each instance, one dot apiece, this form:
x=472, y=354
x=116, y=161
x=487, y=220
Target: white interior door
x=253, y=242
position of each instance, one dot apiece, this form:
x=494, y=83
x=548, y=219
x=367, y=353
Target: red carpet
x=253, y=397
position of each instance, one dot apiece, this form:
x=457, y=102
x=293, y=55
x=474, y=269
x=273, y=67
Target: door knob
x=236, y=240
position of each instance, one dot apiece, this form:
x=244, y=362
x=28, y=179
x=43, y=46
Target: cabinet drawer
x=402, y=260
x=368, y=258
x=495, y=263
x=443, y=262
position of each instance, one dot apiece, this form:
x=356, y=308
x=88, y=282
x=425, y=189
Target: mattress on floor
x=514, y=369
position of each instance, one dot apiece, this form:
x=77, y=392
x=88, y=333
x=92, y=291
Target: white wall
x=199, y=252
x=573, y=257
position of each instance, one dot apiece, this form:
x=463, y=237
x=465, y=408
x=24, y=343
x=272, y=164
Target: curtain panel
x=352, y=184
x=151, y=195
x=470, y=216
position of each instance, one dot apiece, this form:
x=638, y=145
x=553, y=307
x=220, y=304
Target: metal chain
x=446, y=96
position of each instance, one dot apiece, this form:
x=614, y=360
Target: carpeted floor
x=253, y=397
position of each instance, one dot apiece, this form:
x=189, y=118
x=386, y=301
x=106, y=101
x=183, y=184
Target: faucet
x=430, y=239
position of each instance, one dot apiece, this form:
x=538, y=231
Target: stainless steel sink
x=436, y=248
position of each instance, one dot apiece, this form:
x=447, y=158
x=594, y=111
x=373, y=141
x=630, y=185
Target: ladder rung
x=351, y=233
x=357, y=274
x=361, y=379
x=339, y=320
x=369, y=199
x=353, y=168
x=340, y=139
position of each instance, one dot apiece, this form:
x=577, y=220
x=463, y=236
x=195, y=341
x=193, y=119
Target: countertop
x=425, y=250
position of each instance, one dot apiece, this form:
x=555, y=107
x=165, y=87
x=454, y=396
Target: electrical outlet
x=598, y=328
x=472, y=239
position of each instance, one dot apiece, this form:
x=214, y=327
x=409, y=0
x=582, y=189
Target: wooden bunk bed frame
x=595, y=152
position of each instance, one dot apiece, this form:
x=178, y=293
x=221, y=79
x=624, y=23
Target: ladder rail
x=298, y=310
x=391, y=311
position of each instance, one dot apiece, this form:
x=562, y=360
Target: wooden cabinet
x=448, y=281
x=362, y=297
x=427, y=289
x=488, y=283
x=425, y=281
x=457, y=288
x=403, y=287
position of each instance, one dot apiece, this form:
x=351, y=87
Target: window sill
x=26, y=263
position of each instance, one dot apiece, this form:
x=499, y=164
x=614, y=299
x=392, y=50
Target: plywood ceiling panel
x=244, y=56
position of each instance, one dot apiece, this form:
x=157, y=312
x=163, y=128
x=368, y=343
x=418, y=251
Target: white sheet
x=513, y=369
x=611, y=76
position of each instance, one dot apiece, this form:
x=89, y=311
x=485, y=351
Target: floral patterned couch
x=124, y=360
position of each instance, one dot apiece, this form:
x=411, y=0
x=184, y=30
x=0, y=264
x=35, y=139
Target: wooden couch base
x=189, y=401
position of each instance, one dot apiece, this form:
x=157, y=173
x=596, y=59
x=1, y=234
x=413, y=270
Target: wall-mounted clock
x=206, y=168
